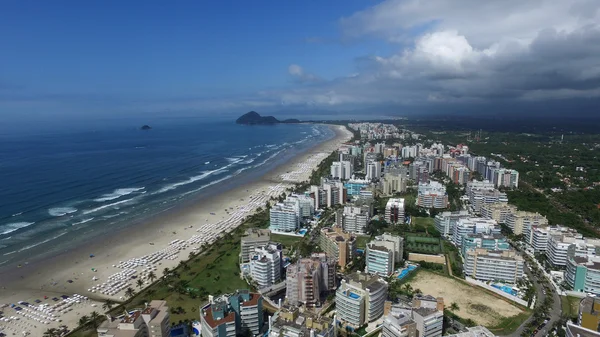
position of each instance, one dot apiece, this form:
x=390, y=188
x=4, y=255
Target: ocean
x=66, y=184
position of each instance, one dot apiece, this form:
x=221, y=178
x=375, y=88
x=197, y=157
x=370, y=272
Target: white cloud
x=299, y=74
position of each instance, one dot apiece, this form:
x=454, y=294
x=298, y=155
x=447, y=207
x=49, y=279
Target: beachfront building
x=445, y=222
x=432, y=195
x=337, y=244
x=153, y=320
x=353, y=219
x=491, y=265
x=265, y=265
x=303, y=204
x=309, y=278
x=429, y=322
x=394, y=211
x=328, y=194
x=283, y=218
x=293, y=321
x=342, y=170
x=521, y=221
x=232, y=315
x=360, y=299
x=253, y=238
x=486, y=241
x=498, y=211
x=473, y=225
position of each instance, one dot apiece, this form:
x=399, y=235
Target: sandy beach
x=138, y=249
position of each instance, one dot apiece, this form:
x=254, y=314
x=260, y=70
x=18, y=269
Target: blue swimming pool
x=505, y=288
x=302, y=231
x=354, y=296
x=406, y=270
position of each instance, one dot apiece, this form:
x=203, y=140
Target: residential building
x=265, y=265
x=432, y=195
x=231, y=315
x=292, y=321
x=342, y=170
x=373, y=170
x=328, y=194
x=537, y=237
x=559, y=245
x=283, y=218
x=490, y=265
x=153, y=321
x=479, y=197
x=589, y=313
x=498, y=211
x=309, y=278
x=473, y=225
x=360, y=299
x=355, y=186
x=476, y=331
x=353, y=219
x=520, y=221
x=583, y=273
x=337, y=244
x=393, y=182
x=429, y=322
x=398, y=325
x=486, y=241
x=445, y=222
x=253, y=238
x=505, y=177
x=394, y=211
x=428, y=301
x=304, y=205
x=379, y=259
x=578, y=331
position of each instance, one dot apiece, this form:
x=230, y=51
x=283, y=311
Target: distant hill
x=254, y=118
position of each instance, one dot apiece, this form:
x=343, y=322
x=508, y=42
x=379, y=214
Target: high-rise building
x=360, y=299
x=303, y=204
x=342, y=170
x=429, y=322
x=283, y=218
x=309, y=278
x=379, y=259
x=489, y=265
x=445, y=222
x=265, y=265
x=337, y=244
x=521, y=221
x=232, y=315
x=432, y=195
x=498, y=211
x=479, y=197
x=373, y=170
x=589, y=313
x=398, y=325
x=482, y=240
x=253, y=238
x=353, y=219
x=473, y=225
x=394, y=211
x=153, y=320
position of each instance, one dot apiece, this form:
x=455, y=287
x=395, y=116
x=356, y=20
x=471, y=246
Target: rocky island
x=145, y=127
x=253, y=118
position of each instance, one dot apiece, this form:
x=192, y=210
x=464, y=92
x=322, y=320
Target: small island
x=145, y=127
x=253, y=118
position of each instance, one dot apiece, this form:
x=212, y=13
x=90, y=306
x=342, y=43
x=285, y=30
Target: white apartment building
x=304, y=205
x=373, y=170
x=308, y=278
x=429, y=321
x=520, y=221
x=559, y=246
x=360, y=299
x=445, y=222
x=394, y=211
x=265, y=265
x=283, y=218
x=470, y=225
x=253, y=238
x=398, y=325
x=489, y=265
x=479, y=197
x=153, y=320
x=537, y=237
x=432, y=195
x=379, y=258
x=354, y=219
x=498, y=211
x=342, y=170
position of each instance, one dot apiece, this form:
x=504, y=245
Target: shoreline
x=207, y=217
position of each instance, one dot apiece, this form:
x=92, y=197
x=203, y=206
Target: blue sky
x=125, y=57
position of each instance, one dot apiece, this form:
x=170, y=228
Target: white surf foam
x=190, y=180
x=94, y=210
x=118, y=193
x=61, y=211
x=11, y=227
x=82, y=221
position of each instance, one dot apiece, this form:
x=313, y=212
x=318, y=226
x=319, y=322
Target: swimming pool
x=406, y=270
x=505, y=288
x=354, y=296
x=302, y=231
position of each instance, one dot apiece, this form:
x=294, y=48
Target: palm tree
x=129, y=292
x=454, y=306
x=108, y=304
x=140, y=283
x=166, y=272
x=95, y=319
x=152, y=276
x=84, y=320
x=53, y=332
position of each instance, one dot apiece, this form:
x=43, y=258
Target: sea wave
x=116, y=194
x=41, y=242
x=11, y=227
x=61, y=211
x=82, y=221
x=236, y=159
x=193, y=179
x=94, y=210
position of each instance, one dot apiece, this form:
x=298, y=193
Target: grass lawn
x=420, y=243
x=510, y=324
x=570, y=306
x=427, y=222
x=286, y=240
x=361, y=241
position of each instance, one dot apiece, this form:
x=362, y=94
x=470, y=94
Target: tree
x=151, y=276
x=108, y=304
x=454, y=306
x=139, y=283
x=129, y=292
x=95, y=319
x=84, y=320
